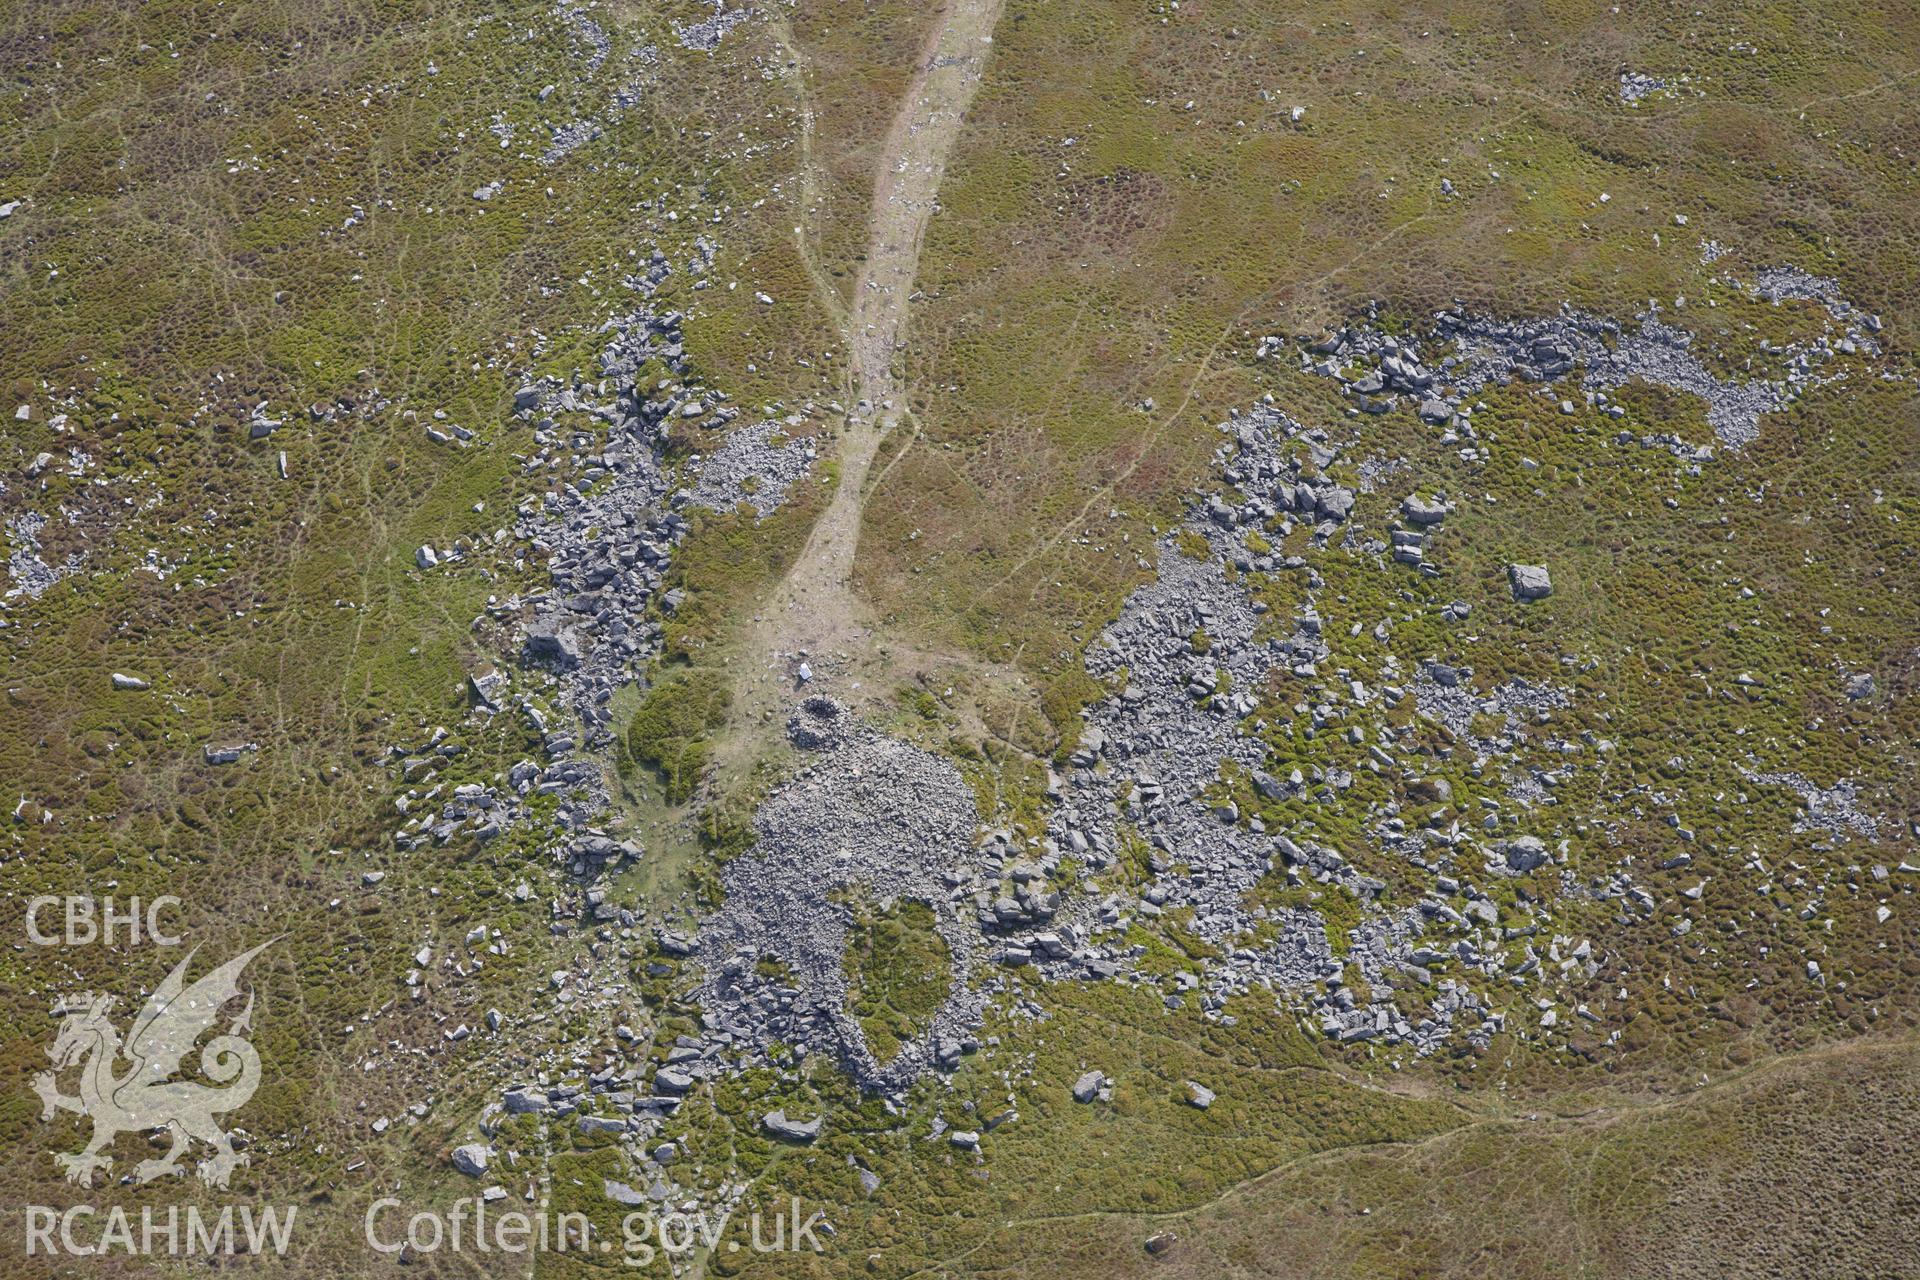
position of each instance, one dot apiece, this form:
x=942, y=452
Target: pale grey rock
x=1529, y=581
x=777, y=1124
x=471, y=1159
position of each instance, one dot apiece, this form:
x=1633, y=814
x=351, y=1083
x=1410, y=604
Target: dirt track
x=814, y=609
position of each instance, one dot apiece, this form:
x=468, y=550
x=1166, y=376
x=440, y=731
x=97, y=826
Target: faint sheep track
x=814, y=608
x=1145, y=446
x=811, y=198
x=1622, y=1107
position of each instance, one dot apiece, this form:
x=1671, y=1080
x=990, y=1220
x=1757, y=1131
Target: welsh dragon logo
x=144, y=1097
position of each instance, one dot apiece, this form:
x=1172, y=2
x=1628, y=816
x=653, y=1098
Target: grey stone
x=471, y=1159
x=548, y=643
x=622, y=1194
x=1529, y=581
x=228, y=754
x=1335, y=503
x=601, y=1124
x=1524, y=853
x=777, y=1124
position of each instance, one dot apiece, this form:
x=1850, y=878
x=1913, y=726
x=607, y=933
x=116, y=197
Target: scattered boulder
x=1198, y=1095
x=1529, y=581
x=228, y=754
x=487, y=686
x=777, y=1124
x=602, y=1124
x=471, y=1159
x=124, y=681
x=1088, y=1086
x=549, y=643
x=946, y=1053
x=1524, y=853
x=622, y=1194
x=1335, y=503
